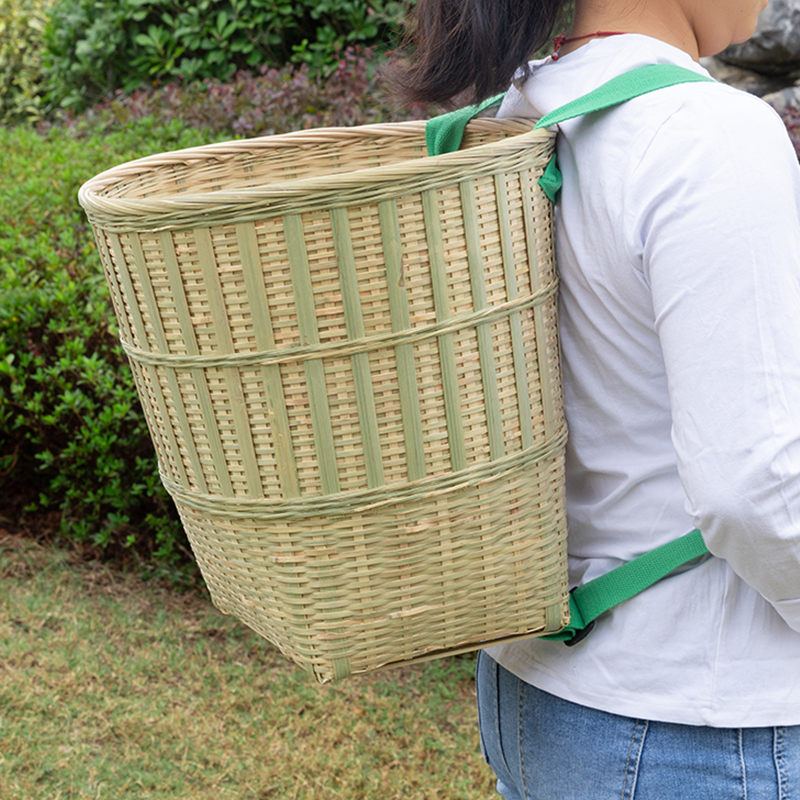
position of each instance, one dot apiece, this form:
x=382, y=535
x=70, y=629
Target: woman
x=678, y=247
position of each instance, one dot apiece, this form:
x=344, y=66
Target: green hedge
x=270, y=101
x=72, y=434
x=97, y=46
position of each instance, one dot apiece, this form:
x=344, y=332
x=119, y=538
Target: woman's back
x=678, y=245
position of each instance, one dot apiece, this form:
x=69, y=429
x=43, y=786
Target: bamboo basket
x=347, y=355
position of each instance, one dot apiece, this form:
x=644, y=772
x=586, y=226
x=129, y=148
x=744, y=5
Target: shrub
x=98, y=46
x=72, y=434
x=22, y=24
x=271, y=101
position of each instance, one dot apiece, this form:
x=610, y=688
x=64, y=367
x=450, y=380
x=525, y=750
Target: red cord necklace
x=561, y=39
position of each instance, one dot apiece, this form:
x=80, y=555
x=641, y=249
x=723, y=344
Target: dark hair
x=475, y=45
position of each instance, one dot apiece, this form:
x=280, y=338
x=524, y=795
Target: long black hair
x=471, y=45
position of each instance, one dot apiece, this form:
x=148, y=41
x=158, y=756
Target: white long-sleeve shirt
x=678, y=247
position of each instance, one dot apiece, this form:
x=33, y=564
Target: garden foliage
x=22, y=80
x=98, y=46
x=72, y=435
x=267, y=102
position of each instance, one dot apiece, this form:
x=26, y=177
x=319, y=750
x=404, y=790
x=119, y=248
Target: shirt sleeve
x=713, y=218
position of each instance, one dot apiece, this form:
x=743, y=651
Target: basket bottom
x=437, y=575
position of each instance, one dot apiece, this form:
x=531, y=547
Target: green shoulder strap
x=589, y=601
x=444, y=135
x=634, y=83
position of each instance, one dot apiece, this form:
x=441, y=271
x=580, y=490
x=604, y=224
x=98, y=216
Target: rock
x=774, y=49
x=787, y=98
x=745, y=79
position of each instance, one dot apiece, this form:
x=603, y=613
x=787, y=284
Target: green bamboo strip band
x=126, y=331
x=363, y=383
x=161, y=341
x=515, y=319
x=404, y=353
x=545, y=381
x=346, y=348
x=143, y=273
x=491, y=396
x=233, y=380
x=174, y=387
x=138, y=331
x=212, y=431
x=553, y=616
x=198, y=375
x=341, y=668
x=133, y=315
x=365, y=398
x=175, y=280
x=190, y=341
x=447, y=354
x=362, y=187
x=114, y=287
x=271, y=373
x=309, y=335
x=346, y=504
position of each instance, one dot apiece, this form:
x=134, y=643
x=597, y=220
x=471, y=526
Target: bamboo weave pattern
x=347, y=356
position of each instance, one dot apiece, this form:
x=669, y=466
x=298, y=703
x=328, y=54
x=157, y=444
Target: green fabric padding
x=634, y=83
x=551, y=179
x=443, y=134
x=616, y=91
x=589, y=601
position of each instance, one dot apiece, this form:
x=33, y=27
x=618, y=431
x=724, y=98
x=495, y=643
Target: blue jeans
x=544, y=748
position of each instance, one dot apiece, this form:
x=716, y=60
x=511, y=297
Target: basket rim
x=408, y=129
x=92, y=194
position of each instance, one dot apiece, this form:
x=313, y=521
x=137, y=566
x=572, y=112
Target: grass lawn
x=111, y=687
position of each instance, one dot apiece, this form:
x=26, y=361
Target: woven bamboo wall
x=348, y=359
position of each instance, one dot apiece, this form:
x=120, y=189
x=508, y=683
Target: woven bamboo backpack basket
x=347, y=355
